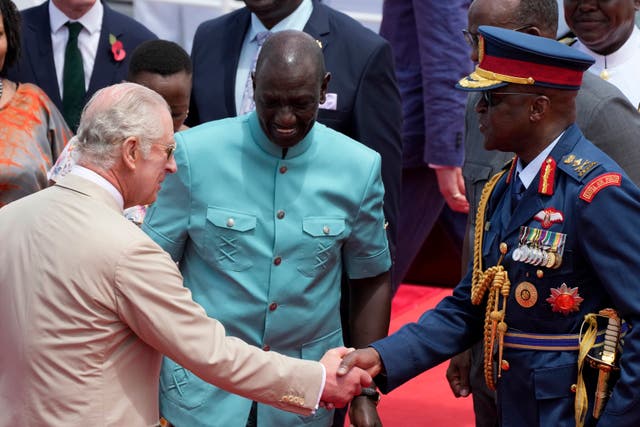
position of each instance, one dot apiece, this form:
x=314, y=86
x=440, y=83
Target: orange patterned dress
x=32, y=135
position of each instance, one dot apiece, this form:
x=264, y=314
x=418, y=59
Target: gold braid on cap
x=503, y=77
x=494, y=279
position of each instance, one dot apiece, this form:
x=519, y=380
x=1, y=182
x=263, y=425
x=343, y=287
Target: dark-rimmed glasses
x=472, y=38
x=487, y=96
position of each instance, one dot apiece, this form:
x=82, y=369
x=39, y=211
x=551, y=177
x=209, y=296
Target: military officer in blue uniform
x=555, y=246
x=264, y=214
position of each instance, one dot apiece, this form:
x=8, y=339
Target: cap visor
x=476, y=83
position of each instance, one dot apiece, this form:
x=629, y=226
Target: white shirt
x=529, y=172
x=100, y=181
x=295, y=21
x=87, y=39
x=622, y=66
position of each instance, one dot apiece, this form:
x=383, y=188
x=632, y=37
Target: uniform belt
x=550, y=342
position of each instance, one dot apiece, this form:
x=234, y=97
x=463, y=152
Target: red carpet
x=425, y=400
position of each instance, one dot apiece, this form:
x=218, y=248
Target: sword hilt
x=606, y=360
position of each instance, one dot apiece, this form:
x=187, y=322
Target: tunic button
x=231, y=222
x=273, y=306
x=280, y=214
x=277, y=260
x=326, y=229
x=283, y=169
x=266, y=347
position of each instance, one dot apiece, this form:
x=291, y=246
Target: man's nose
x=285, y=116
x=481, y=105
x=171, y=166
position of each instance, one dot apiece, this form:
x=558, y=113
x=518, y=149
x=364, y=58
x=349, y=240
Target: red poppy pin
x=117, y=49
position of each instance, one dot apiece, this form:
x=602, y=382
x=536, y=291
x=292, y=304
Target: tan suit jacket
x=88, y=303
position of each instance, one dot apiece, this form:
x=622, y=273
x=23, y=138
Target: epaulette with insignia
x=577, y=166
x=568, y=39
x=598, y=183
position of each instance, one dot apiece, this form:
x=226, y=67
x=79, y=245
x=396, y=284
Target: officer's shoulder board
x=568, y=39
x=584, y=170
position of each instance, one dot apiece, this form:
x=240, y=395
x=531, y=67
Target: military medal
x=551, y=260
x=526, y=294
x=516, y=255
x=558, y=262
x=564, y=299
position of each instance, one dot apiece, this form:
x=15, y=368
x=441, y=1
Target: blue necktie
x=517, y=191
x=247, y=103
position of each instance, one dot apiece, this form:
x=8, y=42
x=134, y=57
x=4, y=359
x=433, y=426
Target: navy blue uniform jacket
x=601, y=258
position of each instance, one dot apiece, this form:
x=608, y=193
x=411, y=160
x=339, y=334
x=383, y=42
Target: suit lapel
x=318, y=24
x=232, y=46
x=104, y=67
x=38, y=33
x=530, y=204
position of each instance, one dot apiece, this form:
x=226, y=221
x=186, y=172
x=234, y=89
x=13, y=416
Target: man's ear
x=539, y=107
x=324, y=87
x=130, y=152
x=533, y=30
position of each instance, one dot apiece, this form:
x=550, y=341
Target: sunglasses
x=472, y=38
x=487, y=96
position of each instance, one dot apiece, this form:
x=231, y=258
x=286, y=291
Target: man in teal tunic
x=265, y=213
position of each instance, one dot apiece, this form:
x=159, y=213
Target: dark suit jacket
x=362, y=75
x=36, y=64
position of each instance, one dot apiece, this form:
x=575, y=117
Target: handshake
x=348, y=371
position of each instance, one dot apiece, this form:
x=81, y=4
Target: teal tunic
x=262, y=238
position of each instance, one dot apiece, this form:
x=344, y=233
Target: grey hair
x=114, y=114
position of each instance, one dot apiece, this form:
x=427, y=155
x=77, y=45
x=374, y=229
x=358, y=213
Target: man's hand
x=458, y=374
x=365, y=358
x=451, y=186
x=342, y=384
x=363, y=413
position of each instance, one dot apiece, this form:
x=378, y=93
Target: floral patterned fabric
x=32, y=135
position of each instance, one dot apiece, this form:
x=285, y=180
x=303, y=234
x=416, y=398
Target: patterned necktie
x=248, y=103
x=517, y=191
x=73, y=90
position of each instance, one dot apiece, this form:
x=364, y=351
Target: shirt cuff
x=432, y=166
x=324, y=380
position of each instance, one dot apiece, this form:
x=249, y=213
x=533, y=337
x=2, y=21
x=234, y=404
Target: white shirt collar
x=295, y=21
x=100, y=181
x=625, y=53
x=91, y=21
x=529, y=172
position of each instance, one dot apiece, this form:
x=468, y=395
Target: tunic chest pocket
x=227, y=238
x=320, y=251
